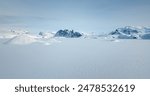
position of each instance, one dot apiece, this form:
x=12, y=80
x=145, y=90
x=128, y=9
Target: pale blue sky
x=100, y=16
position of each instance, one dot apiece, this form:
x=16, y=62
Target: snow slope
x=6, y=34
x=22, y=39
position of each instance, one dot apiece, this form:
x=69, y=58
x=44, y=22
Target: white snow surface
x=22, y=39
x=76, y=58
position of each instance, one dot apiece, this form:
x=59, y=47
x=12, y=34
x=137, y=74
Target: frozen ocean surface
x=76, y=59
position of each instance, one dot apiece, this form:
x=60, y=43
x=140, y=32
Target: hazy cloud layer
x=82, y=15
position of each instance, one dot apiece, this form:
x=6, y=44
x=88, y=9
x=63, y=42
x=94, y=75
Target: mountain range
x=24, y=37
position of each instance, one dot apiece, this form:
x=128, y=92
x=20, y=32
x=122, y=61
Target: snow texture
x=77, y=58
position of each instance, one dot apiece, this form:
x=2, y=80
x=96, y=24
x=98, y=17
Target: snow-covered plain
x=76, y=58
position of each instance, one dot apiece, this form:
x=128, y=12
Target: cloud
x=9, y=19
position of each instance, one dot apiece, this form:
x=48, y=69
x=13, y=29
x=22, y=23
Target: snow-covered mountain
x=46, y=34
x=24, y=37
x=68, y=34
x=130, y=32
